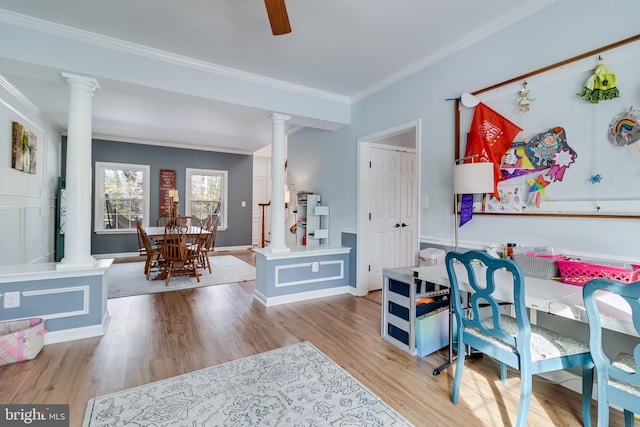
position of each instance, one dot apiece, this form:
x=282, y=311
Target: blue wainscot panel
x=350, y=239
x=73, y=302
x=301, y=274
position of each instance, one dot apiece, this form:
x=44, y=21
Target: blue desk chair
x=512, y=341
x=618, y=381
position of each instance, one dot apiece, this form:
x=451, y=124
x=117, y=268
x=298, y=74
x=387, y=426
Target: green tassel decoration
x=600, y=86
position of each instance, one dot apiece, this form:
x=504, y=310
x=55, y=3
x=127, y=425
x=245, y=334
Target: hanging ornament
x=624, y=129
x=601, y=85
x=524, y=101
x=596, y=179
x=537, y=190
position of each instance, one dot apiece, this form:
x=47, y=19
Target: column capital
x=75, y=80
x=279, y=117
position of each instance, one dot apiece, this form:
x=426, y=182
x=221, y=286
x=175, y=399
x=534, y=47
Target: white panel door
x=409, y=211
x=392, y=236
x=384, y=211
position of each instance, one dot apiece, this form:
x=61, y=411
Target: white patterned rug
x=291, y=386
x=127, y=278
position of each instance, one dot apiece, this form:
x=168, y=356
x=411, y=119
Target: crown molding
x=473, y=37
x=22, y=99
x=160, y=55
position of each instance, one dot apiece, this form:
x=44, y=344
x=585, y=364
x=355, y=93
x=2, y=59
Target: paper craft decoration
x=537, y=190
x=490, y=136
x=550, y=150
x=524, y=101
x=516, y=163
x=625, y=128
x=596, y=179
x=466, y=209
x=512, y=199
x=600, y=86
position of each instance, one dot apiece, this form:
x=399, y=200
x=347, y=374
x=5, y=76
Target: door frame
x=364, y=145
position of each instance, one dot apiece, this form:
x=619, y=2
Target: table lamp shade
x=473, y=178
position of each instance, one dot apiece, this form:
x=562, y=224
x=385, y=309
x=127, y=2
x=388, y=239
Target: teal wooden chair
x=512, y=341
x=618, y=381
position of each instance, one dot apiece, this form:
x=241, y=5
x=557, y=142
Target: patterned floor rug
x=291, y=386
x=127, y=278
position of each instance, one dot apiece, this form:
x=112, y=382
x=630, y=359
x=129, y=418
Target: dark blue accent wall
x=240, y=174
x=350, y=240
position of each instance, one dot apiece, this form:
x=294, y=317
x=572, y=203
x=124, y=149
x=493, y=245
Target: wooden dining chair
x=162, y=219
x=512, y=341
x=209, y=241
x=179, y=257
x=618, y=379
x=151, y=252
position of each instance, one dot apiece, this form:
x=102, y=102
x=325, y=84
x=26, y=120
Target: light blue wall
x=326, y=162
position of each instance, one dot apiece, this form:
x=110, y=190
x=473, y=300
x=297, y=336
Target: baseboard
x=564, y=378
x=78, y=333
x=300, y=296
x=572, y=382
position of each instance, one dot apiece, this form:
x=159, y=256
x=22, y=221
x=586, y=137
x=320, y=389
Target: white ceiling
x=340, y=49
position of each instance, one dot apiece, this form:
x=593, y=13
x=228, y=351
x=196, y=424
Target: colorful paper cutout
x=516, y=163
x=537, y=190
x=550, y=150
x=625, y=128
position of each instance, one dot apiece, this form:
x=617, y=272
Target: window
x=207, y=194
x=121, y=195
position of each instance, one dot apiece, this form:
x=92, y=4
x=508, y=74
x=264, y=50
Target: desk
x=539, y=293
x=545, y=295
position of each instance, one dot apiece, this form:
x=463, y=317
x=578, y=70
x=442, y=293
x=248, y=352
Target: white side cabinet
x=313, y=221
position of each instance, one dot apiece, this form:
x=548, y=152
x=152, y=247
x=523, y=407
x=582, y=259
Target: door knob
x=404, y=225
x=397, y=225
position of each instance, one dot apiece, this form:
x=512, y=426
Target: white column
x=277, y=240
x=77, y=233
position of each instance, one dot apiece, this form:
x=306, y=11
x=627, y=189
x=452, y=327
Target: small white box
x=321, y=210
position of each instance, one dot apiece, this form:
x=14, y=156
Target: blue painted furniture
x=513, y=341
x=618, y=380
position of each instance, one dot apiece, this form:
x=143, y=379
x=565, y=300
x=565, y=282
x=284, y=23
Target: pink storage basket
x=579, y=273
x=21, y=340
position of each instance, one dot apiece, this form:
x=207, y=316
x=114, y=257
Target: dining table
x=158, y=233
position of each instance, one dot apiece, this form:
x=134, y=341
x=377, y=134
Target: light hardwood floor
x=152, y=337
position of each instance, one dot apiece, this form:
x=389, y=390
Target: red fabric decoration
x=490, y=136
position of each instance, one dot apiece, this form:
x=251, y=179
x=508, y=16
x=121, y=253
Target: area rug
x=292, y=386
x=127, y=278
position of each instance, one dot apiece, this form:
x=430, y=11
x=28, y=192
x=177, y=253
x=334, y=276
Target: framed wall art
x=24, y=144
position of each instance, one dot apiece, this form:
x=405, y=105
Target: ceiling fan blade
x=278, y=17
